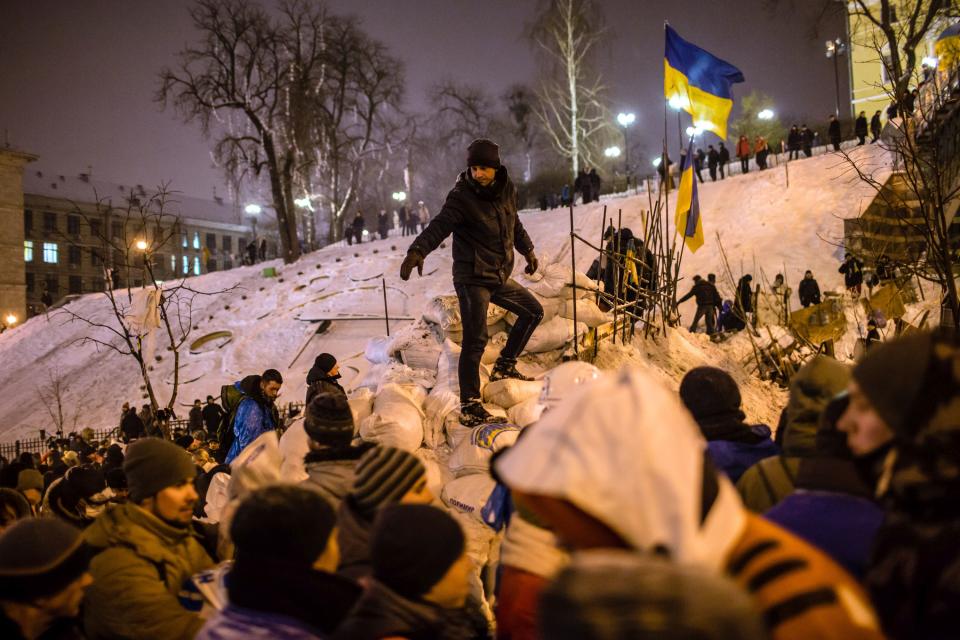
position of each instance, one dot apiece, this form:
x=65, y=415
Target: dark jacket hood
x=811, y=389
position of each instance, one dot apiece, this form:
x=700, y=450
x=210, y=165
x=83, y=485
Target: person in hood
x=323, y=377
x=331, y=460
x=420, y=582
x=809, y=290
x=481, y=213
x=256, y=413
x=78, y=497
x=713, y=398
x=282, y=583
x=902, y=423
x=771, y=480
x=146, y=550
x=196, y=416
x=43, y=577
x=831, y=507
x=599, y=481
x=613, y=593
x=383, y=476
x=212, y=414
x=875, y=127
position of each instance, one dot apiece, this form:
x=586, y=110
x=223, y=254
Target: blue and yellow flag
x=688, y=219
x=947, y=46
x=699, y=83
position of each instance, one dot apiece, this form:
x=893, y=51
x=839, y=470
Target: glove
x=413, y=259
x=532, y=263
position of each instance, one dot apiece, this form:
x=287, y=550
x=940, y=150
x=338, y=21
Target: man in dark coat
x=794, y=140
x=860, y=128
x=581, y=185
x=211, y=415
x=875, y=127
x=402, y=219
x=852, y=270
x=724, y=159
x=594, y=184
x=383, y=224
x=743, y=305
x=713, y=160
x=698, y=164
x=707, y=296
x=131, y=426
x=834, y=132
x=809, y=290
x=481, y=213
x=196, y=416
x=323, y=377
x=806, y=140
x=357, y=227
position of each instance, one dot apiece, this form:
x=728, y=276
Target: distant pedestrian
x=834, y=132
x=595, y=182
x=383, y=224
x=423, y=215
x=724, y=159
x=252, y=251
x=744, y=153
x=713, y=161
x=212, y=413
x=743, y=305
x=706, y=297
x=860, y=128
x=263, y=249
x=761, y=151
x=875, y=127
x=196, y=416
x=806, y=140
x=852, y=270
x=809, y=290
x=402, y=219
x=698, y=159
x=356, y=228
x=793, y=143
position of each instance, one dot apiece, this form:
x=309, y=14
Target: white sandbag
x=587, y=312
x=455, y=431
x=508, y=391
x=552, y=335
x=417, y=346
x=294, y=445
x=494, y=346
x=437, y=474
x=438, y=405
x=551, y=279
x=473, y=454
x=397, y=419
x=361, y=405
x=525, y=413
x=399, y=373
x=447, y=378
x=468, y=494
x=483, y=548
x=445, y=311
x=551, y=307
x=372, y=379
x=257, y=465
x=422, y=357
x=218, y=496
x=377, y=350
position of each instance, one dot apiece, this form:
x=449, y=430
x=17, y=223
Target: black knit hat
x=324, y=362
x=84, y=481
x=708, y=392
x=413, y=546
x=483, y=153
x=40, y=557
x=151, y=465
x=382, y=476
x=329, y=420
x=892, y=375
x=282, y=523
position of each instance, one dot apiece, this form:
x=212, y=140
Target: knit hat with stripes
x=383, y=476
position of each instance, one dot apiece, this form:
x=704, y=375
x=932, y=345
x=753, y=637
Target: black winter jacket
x=704, y=292
x=485, y=228
x=809, y=292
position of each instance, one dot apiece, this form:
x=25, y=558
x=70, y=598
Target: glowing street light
x=253, y=209
x=677, y=102
x=694, y=131
x=766, y=114
x=304, y=203
x=612, y=152
x=142, y=245
x=657, y=161
x=626, y=119
x=930, y=61
x=11, y=319
x=399, y=196
x=835, y=49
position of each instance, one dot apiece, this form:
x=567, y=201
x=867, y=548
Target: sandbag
x=473, y=454
x=447, y=378
x=437, y=474
x=553, y=335
x=397, y=419
x=508, y=392
x=445, y=311
x=551, y=307
x=455, y=431
x=377, y=350
x=548, y=281
x=294, y=445
x=438, y=405
x=468, y=494
x=361, y=404
x=494, y=346
x=417, y=346
x=372, y=378
x=525, y=413
x=483, y=548
x=399, y=373
x=587, y=312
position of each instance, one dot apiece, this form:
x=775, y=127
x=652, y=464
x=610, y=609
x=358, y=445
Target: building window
x=76, y=284
x=211, y=241
x=50, y=250
x=73, y=254
x=173, y=264
x=31, y=283
x=53, y=286
x=28, y=250
x=49, y=221
x=95, y=258
x=116, y=230
x=73, y=225
x=95, y=228
x=186, y=265
x=196, y=239
x=228, y=243
x=27, y=221
x=196, y=265
x=183, y=240
x=211, y=265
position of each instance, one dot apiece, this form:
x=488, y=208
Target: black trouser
x=709, y=313
x=836, y=144
x=713, y=173
x=794, y=154
x=745, y=165
x=862, y=139
x=722, y=170
x=474, y=300
x=699, y=176
x=807, y=150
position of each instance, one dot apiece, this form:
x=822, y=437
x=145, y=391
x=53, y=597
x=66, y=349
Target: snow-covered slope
x=760, y=221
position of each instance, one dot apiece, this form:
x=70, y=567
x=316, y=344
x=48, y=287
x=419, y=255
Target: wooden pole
x=573, y=281
x=386, y=314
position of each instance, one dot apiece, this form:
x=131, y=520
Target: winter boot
x=473, y=413
x=506, y=369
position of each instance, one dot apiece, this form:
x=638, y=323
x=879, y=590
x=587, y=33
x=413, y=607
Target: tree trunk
x=281, y=188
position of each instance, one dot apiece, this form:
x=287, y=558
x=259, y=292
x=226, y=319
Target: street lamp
x=625, y=120
x=766, y=114
x=612, y=152
x=657, y=161
x=142, y=245
x=399, y=196
x=676, y=102
x=694, y=131
x=11, y=319
x=253, y=210
x=834, y=49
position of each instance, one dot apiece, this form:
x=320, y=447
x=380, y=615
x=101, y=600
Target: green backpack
x=230, y=398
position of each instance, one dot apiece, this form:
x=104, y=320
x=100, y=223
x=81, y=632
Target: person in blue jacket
x=712, y=396
x=256, y=413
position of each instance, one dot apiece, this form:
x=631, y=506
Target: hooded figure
x=771, y=480
x=78, y=497
x=712, y=396
x=324, y=376
x=600, y=481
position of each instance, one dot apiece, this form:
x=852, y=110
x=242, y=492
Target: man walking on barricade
x=481, y=213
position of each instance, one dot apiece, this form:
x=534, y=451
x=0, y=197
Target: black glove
x=532, y=263
x=413, y=259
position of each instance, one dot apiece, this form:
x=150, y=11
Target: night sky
x=77, y=79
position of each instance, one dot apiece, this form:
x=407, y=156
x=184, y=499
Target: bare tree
x=52, y=395
x=520, y=105
x=572, y=105
x=128, y=241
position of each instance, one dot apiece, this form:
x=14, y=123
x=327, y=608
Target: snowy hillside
x=760, y=221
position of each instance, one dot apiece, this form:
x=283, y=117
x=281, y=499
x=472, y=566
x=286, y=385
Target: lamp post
x=834, y=49
x=253, y=210
x=625, y=120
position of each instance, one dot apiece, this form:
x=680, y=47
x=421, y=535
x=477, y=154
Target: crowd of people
x=409, y=221
x=686, y=518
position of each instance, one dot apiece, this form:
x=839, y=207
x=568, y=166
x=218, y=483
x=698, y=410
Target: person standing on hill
x=875, y=127
x=706, y=295
x=713, y=160
x=481, y=213
x=743, y=154
x=211, y=415
x=793, y=143
x=698, y=159
x=860, y=128
x=852, y=270
x=806, y=139
x=809, y=290
x=834, y=131
x=724, y=159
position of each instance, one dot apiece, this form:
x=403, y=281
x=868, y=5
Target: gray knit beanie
x=151, y=465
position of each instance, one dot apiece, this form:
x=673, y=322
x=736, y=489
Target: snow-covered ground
x=764, y=226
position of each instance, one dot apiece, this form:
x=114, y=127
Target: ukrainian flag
x=699, y=82
x=947, y=46
x=688, y=207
